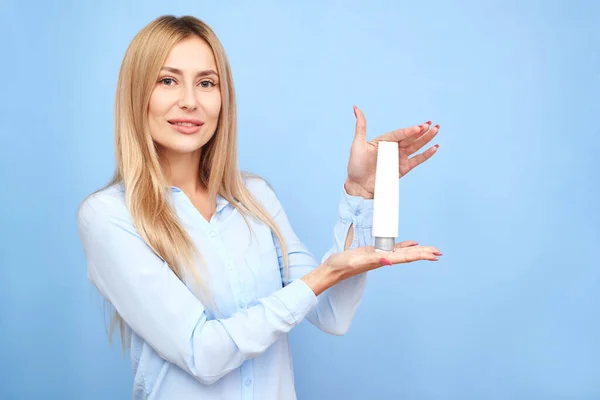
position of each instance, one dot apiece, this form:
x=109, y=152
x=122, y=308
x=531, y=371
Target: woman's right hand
x=343, y=265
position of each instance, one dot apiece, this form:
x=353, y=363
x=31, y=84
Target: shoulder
x=260, y=188
x=102, y=207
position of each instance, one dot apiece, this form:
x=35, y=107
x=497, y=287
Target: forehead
x=191, y=54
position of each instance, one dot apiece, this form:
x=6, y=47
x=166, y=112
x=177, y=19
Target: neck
x=182, y=170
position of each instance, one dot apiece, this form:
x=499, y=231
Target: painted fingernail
x=437, y=126
x=354, y=108
x=385, y=261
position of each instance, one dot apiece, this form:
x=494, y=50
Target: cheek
x=212, y=105
x=157, y=106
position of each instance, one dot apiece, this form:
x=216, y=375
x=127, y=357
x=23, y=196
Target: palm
x=362, y=259
x=363, y=154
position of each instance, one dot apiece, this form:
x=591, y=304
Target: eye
x=206, y=84
x=167, y=81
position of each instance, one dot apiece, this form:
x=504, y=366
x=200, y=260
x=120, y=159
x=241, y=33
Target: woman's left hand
x=363, y=155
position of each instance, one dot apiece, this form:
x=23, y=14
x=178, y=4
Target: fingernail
x=385, y=261
x=438, y=254
x=437, y=146
x=437, y=126
x=354, y=108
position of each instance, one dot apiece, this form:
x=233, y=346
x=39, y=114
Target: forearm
x=354, y=190
x=322, y=278
x=338, y=295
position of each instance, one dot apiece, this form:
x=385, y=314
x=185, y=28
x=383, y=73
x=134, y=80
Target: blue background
x=511, y=311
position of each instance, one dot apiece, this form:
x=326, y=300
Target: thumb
x=361, y=125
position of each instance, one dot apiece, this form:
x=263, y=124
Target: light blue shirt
x=178, y=350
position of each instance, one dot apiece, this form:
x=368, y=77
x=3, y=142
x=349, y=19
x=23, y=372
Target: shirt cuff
x=356, y=209
x=298, y=298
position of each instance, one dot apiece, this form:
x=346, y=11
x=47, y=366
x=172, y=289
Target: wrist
x=355, y=189
x=322, y=278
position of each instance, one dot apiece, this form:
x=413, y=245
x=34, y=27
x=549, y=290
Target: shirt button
x=248, y=382
x=241, y=304
x=213, y=234
x=357, y=212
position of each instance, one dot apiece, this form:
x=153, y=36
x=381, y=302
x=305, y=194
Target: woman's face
x=186, y=101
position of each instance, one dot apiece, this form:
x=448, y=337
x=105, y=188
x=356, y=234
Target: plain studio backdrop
x=511, y=311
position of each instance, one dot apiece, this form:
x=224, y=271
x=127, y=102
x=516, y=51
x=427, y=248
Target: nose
x=187, y=98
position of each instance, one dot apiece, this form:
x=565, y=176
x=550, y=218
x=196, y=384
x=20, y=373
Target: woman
x=199, y=261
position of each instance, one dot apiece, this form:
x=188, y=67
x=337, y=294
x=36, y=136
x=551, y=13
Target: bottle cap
x=384, y=243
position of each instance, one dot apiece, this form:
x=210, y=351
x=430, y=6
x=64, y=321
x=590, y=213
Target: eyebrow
x=199, y=74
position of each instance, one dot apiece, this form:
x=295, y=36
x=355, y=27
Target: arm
x=353, y=229
x=162, y=310
x=337, y=302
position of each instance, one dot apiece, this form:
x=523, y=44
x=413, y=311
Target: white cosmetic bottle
x=386, y=205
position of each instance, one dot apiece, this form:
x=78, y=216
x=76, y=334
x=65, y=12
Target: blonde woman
x=199, y=261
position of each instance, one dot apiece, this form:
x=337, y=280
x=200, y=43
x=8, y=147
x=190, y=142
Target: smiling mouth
x=184, y=123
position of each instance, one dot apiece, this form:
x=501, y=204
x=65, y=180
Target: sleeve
x=337, y=305
x=164, y=312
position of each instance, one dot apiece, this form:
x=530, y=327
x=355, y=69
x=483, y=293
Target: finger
x=415, y=145
x=406, y=243
x=420, y=158
x=402, y=255
x=417, y=254
x=424, y=128
x=399, y=134
x=360, y=131
x=384, y=261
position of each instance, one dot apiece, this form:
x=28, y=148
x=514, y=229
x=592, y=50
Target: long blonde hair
x=138, y=168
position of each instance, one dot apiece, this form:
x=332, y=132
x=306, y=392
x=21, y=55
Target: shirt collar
x=221, y=201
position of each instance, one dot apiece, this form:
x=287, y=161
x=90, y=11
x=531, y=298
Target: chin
x=183, y=145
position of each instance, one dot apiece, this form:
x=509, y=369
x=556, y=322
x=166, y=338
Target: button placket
x=233, y=275
x=247, y=379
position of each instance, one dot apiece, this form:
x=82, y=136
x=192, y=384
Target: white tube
x=386, y=204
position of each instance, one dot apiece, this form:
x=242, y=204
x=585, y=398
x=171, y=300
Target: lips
x=186, y=126
x=186, y=122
